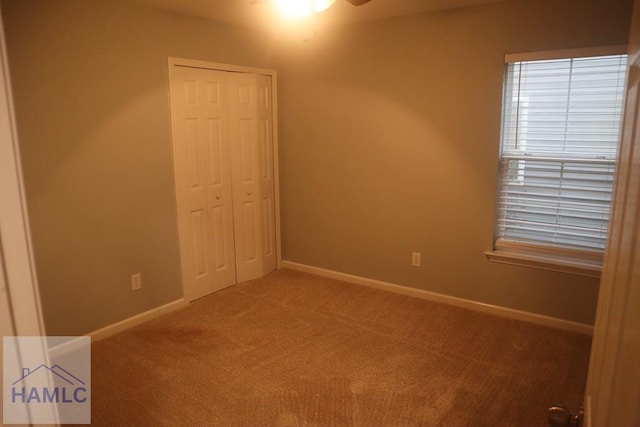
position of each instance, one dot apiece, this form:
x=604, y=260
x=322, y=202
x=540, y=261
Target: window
x=560, y=130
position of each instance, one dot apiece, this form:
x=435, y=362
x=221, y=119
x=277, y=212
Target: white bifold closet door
x=223, y=160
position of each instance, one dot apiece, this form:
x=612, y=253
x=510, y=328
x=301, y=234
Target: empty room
x=341, y=213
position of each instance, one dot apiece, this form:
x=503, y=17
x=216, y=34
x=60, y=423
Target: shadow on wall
x=389, y=143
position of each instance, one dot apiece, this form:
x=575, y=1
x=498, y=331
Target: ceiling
x=261, y=14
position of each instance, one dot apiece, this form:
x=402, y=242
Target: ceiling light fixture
x=300, y=8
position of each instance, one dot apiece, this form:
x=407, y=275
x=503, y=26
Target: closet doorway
x=225, y=167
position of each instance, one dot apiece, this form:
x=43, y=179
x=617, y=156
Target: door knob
x=217, y=197
x=248, y=193
x=560, y=415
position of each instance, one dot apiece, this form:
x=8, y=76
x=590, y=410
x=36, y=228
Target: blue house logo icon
x=64, y=387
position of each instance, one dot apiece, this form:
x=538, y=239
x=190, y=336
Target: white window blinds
x=561, y=125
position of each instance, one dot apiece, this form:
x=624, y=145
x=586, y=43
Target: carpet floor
x=294, y=349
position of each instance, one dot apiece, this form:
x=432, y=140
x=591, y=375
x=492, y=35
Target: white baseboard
x=510, y=313
x=70, y=346
x=132, y=321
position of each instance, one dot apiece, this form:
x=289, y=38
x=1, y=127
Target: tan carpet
x=293, y=349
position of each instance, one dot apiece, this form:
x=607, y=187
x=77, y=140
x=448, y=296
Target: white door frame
x=194, y=63
x=19, y=297
x=14, y=227
x=612, y=396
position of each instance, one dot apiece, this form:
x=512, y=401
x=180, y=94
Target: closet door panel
x=252, y=169
x=202, y=165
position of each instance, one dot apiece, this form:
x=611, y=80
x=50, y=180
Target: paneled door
x=202, y=167
x=253, y=186
x=223, y=164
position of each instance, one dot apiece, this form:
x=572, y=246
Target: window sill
x=581, y=268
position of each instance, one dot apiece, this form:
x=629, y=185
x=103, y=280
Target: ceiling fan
x=358, y=2
x=306, y=7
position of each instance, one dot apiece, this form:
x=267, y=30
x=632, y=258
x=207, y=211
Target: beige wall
x=389, y=145
x=388, y=132
x=91, y=94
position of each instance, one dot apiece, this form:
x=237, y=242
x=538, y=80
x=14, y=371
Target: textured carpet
x=294, y=349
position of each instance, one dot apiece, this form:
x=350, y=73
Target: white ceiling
x=262, y=14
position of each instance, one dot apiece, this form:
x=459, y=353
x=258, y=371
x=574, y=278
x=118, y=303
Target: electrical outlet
x=416, y=259
x=136, y=281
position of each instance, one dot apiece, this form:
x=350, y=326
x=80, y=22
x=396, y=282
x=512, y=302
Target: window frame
x=548, y=257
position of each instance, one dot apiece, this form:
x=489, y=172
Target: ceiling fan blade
x=358, y=2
